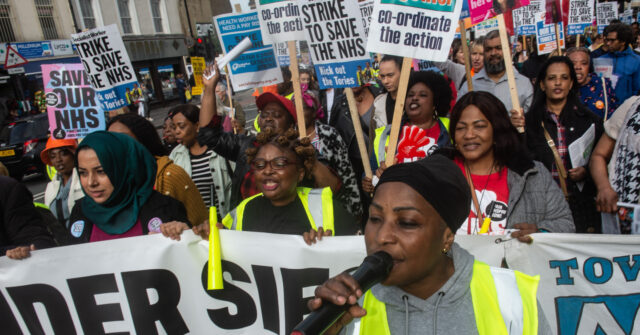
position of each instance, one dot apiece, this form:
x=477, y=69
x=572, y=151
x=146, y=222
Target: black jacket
x=20, y=223
x=576, y=121
x=231, y=147
x=158, y=206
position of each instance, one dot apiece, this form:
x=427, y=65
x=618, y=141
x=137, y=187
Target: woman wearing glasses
x=280, y=163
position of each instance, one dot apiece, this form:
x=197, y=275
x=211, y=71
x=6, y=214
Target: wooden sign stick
x=558, y=39
x=506, y=54
x=232, y=113
x=398, y=110
x=465, y=51
x=578, y=41
x=297, y=91
x=525, y=47
x=355, y=119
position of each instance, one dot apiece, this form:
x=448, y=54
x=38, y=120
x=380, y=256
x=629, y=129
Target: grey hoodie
x=449, y=311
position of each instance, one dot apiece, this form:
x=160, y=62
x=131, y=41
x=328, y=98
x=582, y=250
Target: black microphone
x=373, y=269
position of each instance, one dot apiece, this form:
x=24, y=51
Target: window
x=44, y=8
x=156, y=14
x=125, y=16
x=6, y=28
x=88, y=16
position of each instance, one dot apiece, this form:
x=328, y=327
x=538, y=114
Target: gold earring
x=444, y=251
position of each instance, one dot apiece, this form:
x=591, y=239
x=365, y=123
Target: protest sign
x=627, y=16
x=605, y=12
x=414, y=29
x=546, y=35
x=107, y=64
x=482, y=10
x=282, y=52
x=588, y=283
x=524, y=18
x=483, y=28
x=72, y=105
x=257, y=66
x=580, y=16
x=198, y=65
x=366, y=10
x=280, y=20
x=336, y=40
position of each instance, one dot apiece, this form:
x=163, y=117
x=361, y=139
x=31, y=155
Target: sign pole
x=465, y=51
x=557, y=39
x=578, y=41
x=398, y=110
x=525, y=47
x=297, y=92
x=506, y=53
x=232, y=113
x=355, y=118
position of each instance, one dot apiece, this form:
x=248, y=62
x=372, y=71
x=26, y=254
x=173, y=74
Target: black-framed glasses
x=277, y=163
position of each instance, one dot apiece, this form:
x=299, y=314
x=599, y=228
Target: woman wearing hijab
x=434, y=286
x=117, y=175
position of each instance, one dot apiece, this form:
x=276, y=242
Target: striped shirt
x=203, y=178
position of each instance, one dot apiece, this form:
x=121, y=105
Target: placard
x=483, y=28
x=72, y=106
x=107, y=64
x=414, y=29
x=336, y=40
x=524, y=18
x=605, y=12
x=482, y=10
x=366, y=10
x=580, y=16
x=257, y=66
x=198, y=66
x=280, y=20
x=546, y=35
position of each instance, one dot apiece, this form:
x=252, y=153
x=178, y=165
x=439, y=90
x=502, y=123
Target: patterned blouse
x=592, y=96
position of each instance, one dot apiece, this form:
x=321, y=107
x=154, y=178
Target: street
x=37, y=183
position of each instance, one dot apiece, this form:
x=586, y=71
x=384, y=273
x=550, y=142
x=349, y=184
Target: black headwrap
x=440, y=182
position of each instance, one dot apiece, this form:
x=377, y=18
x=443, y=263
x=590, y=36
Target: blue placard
x=343, y=74
x=529, y=29
x=575, y=29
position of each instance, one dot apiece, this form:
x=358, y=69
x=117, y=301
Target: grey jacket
x=448, y=311
x=535, y=198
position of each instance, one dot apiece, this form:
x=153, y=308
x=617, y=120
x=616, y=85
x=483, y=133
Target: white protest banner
x=414, y=29
x=588, y=283
x=605, y=12
x=280, y=20
x=150, y=284
x=366, y=10
x=257, y=66
x=336, y=40
x=107, y=63
x=546, y=35
x=72, y=105
x=524, y=18
x=580, y=16
x=484, y=27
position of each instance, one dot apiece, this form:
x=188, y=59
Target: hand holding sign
x=231, y=55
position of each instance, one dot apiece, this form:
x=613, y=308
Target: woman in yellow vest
x=426, y=106
x=435, y=286
x=280, y=163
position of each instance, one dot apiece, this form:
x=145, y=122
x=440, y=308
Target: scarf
x=131, y=170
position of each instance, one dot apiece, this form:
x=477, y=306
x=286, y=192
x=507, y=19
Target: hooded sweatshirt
x=448, y=311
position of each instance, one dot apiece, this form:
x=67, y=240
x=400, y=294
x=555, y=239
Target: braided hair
x=289, y=140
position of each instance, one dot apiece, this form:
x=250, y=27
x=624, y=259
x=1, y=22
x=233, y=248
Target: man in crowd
x=222, y=103
x=389, y=75
x=493, y=78
x=626, y=63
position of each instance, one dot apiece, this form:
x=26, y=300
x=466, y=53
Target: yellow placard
x=214, y=273
x=198, y=65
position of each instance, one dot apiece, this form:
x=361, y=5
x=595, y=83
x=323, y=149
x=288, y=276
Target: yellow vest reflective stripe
x=41, y=205
x=379, y=145
x=497, y=294
x=51, y=172
x=317, y=203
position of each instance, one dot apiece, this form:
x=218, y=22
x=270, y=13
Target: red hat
x=268, y=97
x=53, y=143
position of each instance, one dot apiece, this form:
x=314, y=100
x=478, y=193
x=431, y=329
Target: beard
x=494, y=68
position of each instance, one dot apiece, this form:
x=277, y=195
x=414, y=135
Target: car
x=21, y=142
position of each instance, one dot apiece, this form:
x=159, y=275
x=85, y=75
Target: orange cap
x=53, y=143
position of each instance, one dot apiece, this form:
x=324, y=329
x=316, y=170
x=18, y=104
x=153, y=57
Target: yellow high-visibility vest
x=317, y=203
x=502, y=300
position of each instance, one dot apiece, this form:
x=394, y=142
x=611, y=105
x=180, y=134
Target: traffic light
x=199, y=49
